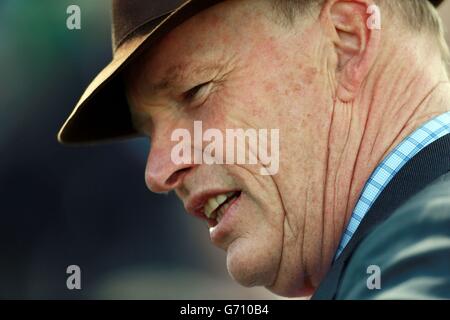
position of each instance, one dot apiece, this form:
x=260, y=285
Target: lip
x=224, y=227
x=195, y=204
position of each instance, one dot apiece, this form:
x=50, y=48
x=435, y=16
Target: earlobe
x=356, y=43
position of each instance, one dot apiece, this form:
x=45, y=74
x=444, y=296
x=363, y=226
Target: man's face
x=232, y=66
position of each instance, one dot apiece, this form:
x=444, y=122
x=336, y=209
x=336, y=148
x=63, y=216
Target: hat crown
x=129, y=15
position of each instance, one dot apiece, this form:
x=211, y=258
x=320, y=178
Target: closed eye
x=197, y=93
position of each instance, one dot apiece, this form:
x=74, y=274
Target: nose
x=162, y=174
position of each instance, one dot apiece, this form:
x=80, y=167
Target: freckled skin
x=263, y=76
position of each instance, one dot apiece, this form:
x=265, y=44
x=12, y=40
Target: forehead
x=202, y=41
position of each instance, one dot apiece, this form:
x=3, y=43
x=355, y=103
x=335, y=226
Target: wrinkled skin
x=310, y=80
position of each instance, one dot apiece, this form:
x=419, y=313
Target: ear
x=355, y=29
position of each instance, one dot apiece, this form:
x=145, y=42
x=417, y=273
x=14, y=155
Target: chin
x=252, y=268
x=251, y=265
x=300, y=291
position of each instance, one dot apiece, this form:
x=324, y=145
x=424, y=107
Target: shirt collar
x=389, y=167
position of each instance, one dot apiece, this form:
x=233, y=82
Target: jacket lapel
x=429, y=164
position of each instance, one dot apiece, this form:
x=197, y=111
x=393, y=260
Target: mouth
x=216, y=207
x=212, y=207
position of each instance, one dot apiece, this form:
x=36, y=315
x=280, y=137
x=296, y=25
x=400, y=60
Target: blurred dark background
x=89, y=207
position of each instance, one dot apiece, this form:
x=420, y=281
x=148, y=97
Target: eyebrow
x=171, y=76
x=177, y=74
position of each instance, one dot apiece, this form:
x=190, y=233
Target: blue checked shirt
x=383, y=174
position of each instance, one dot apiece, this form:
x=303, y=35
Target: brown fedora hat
x=102, y=113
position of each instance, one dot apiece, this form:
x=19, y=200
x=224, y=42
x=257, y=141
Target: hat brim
x=102, y=113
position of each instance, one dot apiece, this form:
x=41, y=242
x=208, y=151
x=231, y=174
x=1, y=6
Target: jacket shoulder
x=409, y=253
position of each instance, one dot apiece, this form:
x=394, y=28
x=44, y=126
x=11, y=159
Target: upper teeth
x=213, y=203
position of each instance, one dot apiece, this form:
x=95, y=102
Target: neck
x=365, y=131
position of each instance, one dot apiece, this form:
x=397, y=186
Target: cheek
x=250, y=103
x=254, y=256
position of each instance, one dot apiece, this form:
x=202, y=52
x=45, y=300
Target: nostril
x=173, y=179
